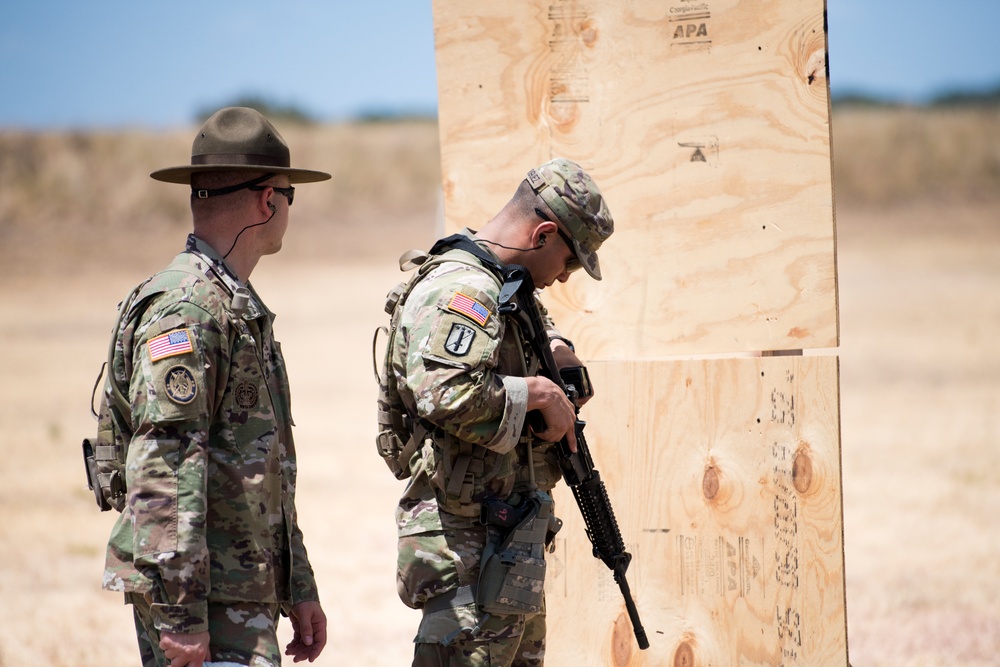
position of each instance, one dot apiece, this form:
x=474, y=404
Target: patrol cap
x=575, y=199
x=239, y=139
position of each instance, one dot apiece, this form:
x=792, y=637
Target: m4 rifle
x=517, y=300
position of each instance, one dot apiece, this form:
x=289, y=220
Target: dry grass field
x=918, y=215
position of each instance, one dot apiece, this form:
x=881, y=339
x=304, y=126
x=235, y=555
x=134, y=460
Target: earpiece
x=272, y=207
x=541, y=241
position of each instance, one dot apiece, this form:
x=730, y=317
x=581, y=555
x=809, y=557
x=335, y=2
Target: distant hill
x=78, y=187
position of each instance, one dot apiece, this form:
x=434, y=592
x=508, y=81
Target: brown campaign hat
x=239, y=139
x=578, y=203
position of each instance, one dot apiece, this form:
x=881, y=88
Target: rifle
x=517, y=299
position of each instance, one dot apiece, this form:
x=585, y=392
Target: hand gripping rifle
x=517, y=300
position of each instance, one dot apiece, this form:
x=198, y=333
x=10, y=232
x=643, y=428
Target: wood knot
x=621, y=640
x=684, y=655
x=710, y=482
x=588, y=33
x=802, y=470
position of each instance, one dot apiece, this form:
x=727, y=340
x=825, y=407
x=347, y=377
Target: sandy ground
x=920, y=371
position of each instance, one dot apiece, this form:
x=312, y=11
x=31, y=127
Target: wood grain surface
x=706, y=125
x=725, y=478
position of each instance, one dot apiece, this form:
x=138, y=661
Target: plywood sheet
x=725, y=479
x=706, y=124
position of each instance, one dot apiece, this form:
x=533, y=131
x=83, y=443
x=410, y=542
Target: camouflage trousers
x=504, y=641
x=240, y=632
x=433, y=562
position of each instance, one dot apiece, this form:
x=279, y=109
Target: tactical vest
x=400, y=436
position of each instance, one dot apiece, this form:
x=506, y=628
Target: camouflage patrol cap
x=575, y=199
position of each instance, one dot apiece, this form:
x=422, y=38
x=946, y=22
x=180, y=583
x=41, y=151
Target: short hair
x=524, y=201
x=213, y=180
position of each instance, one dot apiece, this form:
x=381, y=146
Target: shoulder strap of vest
x=463, y=242
x=119, y=400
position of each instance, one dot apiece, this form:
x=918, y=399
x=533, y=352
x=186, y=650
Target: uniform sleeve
x=176, y=362
x=451, y=336
x=303, y=581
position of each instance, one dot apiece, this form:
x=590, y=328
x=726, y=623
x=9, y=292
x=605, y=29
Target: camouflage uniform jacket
x=459, y=368
x=211, y=462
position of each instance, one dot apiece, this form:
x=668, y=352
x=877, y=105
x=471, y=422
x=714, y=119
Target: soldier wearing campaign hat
x=195, y=440
x=455, y=390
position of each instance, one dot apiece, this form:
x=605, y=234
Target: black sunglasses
x=289, y=192
x=573, y=264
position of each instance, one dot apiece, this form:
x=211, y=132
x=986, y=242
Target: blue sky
x=114, y=63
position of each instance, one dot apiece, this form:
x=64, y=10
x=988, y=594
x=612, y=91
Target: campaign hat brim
x=182, y=174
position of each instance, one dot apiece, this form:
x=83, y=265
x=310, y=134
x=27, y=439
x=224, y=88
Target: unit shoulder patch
x=180, y=385
x=459, y=339
x=454, y=341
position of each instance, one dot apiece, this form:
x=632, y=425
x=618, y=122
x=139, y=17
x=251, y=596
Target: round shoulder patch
x=180, y=386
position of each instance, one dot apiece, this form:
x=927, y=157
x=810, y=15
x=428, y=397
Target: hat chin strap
x=205, y=194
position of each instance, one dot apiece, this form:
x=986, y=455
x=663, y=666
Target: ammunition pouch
x=105, y=472
x=394, y=451
x=93, y=477
x=104, y=457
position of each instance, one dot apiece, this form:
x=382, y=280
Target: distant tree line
x=985, y=98
x=291, y=114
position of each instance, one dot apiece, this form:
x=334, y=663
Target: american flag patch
x=469, y=307
x=169, y=344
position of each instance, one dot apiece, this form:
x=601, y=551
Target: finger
x=571, y=439
x=183, y=658
x=300, y=652
x=305, y=629
x=319, y=640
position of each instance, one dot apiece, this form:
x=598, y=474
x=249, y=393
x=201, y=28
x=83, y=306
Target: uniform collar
x=254, y=307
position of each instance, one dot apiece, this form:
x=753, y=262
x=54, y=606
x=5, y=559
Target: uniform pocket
x=432, y=562
x=152, y=483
